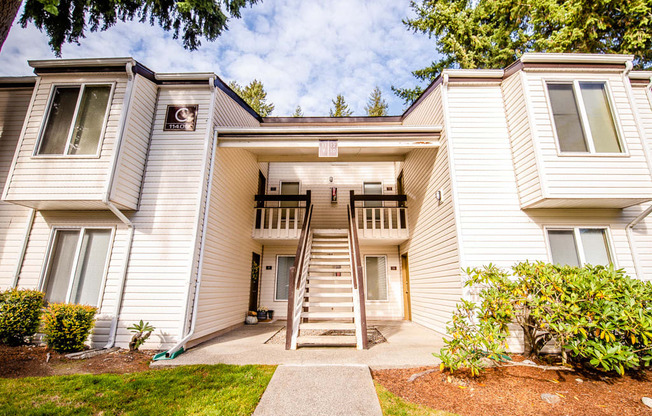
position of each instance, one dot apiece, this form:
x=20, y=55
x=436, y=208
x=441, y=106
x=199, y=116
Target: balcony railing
x=280, y=216
x=381, y=216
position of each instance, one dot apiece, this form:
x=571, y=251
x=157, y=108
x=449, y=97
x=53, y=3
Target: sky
x=304, y=52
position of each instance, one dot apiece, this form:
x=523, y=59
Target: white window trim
x=584, y=121
x=276, y=299
x=578, y=240
x=387, y=277
x=45, y=269
x=46, y=117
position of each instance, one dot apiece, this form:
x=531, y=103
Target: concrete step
x=327, y=341
x=332, y=326
x=327, y=315
x=327, y=304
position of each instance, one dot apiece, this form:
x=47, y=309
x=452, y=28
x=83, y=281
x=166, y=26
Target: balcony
x=279, y=217
x=380, y=218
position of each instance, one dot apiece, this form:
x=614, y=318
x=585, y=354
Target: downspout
x=23, y=250
x=640, y=217
x=122, y=217
x=178, y=348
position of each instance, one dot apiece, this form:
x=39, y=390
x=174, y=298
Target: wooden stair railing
x=297, y=281
x=358, y=281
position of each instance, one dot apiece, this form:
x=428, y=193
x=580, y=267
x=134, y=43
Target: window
x=579, y=246
x=77, y=264
x=283, y=264
x=583, y=118
x=75, y=120
x=376, y=272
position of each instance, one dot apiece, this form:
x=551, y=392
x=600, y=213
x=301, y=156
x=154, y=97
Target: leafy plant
x=142, y=331
x=596, y=315
x=66, y=326
x=20, y=315
x=472, y=341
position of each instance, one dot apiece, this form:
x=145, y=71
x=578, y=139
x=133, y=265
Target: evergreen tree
x=340, y=107
x=254, y=94
x=377, y=106
x=493, y=33
x=298, y=112
x=67, y=20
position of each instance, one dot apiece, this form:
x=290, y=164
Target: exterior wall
x=605, y=181
x=161, y=262
x=226, y=270
x=135, y=141
x=526, y=167
x=433, y=255
x=346, y=177
x=35, y=180
x=228, y=113
x=13, y=218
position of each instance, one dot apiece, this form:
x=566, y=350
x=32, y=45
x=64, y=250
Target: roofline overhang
x=18, y=82
x=325, y=130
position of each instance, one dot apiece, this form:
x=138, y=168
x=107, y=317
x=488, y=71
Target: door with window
x=372, y=188
x=77, y=265
x=289, y=188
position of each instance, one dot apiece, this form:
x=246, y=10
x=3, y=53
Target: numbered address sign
x=181, y=118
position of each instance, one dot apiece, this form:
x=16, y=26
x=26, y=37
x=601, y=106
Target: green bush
x=597, y=315
x=20, y=315
x=66, y=327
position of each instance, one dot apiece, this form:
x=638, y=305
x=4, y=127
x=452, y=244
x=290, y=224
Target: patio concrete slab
x=323, y=390
x=408, y=345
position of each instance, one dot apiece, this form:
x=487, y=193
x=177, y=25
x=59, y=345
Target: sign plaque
x=181, y=118
x=328, y=148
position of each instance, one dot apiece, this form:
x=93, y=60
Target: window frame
x=276, y=299
x=578, y=241
x=584, y=119
x=50, y=251
x=46, y=117
x=387, y=286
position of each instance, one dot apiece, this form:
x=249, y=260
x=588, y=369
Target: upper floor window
x=579, y=246
x=583, y=117
x=75, y=120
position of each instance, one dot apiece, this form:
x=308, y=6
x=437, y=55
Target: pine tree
x=340, y=107
x=377, y=106
x=298, y=112
x=254, y=94
x=494, y=33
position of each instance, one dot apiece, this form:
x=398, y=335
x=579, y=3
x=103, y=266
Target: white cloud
x=304, y=52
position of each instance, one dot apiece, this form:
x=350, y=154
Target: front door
x=255, y=280
x=407, y=310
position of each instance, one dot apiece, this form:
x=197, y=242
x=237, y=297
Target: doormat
x=373, y=335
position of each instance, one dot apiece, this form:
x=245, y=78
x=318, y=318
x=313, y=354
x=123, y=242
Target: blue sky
x=304, y=52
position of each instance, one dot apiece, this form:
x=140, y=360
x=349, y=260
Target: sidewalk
x=320, y=390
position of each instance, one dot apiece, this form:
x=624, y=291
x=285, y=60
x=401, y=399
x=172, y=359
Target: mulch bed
x=32, y=361
x=517, y=391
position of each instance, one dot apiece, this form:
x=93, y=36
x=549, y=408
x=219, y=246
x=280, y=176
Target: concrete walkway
x=408, y=345
x=326, y=390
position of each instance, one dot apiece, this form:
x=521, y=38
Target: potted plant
x=262, y=313
x=270, y=314
x=251, y=318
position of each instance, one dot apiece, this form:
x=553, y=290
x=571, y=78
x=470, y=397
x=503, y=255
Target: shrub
x=20, y=315
x=142, y=331
x=66, y=327
x=597, y=315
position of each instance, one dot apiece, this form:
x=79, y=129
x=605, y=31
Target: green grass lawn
x=193, y=390
x=393, y=405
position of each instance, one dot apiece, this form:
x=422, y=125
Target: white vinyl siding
x=226, y=273
x=135, y=142
x=64, y=182
x=587, y=180
x=315, y=176
x=13, y=218
x=435, y=281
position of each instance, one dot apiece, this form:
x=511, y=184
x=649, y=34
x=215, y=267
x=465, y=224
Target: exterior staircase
x=328, y=303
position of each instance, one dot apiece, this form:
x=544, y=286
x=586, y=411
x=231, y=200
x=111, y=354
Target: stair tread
x=330, y=263
x=329, y=285
x=329, y=256
x=328, y=304
x=328, y=250
x=335, y=326
x=330, y=295
x=327, y=340
x=343, y=278
x=326, y=315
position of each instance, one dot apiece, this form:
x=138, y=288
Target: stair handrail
x=357, y=277
x=296, y=283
